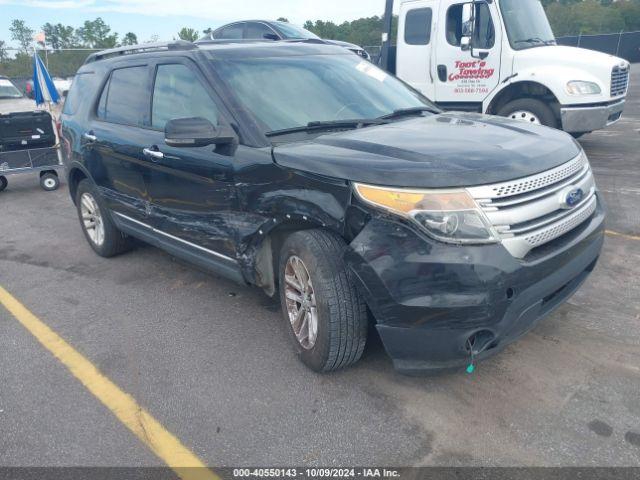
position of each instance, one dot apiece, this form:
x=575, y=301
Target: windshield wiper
x=328, y=125
x=405, y=112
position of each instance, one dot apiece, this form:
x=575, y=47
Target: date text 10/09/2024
x=315, y=473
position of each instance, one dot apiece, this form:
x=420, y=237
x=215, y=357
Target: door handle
x=442, y=73
x=89, y=137
x=154, y=155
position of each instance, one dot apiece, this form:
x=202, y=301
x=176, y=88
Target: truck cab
x=500, y=57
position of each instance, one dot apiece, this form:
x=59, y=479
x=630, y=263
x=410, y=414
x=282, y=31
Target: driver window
x=484, y=35
x=178, y=93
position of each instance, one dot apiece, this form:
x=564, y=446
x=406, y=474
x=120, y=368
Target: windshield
x=7, y=90
x=291, y=31
x=289, y=92
x=527, y=24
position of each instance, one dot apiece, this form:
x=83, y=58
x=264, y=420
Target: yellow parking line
x=622, y=235
x=148, y=430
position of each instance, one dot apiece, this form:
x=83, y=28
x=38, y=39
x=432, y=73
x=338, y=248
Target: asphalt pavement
x=211, y=360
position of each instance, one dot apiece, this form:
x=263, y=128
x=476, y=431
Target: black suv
x=312, y=174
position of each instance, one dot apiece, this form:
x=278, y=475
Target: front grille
x=619, y=81
x=531, y=212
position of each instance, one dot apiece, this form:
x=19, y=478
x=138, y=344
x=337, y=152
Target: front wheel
x=325, y=314
x=530, y=110
x=3, y=183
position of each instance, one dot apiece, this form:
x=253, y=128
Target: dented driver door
x=191, y=189
x=462, y=78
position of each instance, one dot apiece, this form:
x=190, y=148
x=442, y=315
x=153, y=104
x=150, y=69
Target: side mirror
x=196, y=132
x=467, y=26
x=270, y=36
x=465, y=44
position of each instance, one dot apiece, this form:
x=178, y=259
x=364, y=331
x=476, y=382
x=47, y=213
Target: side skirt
x=209, y=260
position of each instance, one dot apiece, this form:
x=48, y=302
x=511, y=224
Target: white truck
x=500, y=57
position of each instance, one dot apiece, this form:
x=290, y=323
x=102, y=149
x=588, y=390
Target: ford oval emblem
x=573, y=197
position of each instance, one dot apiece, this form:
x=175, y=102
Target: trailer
x=44, y=161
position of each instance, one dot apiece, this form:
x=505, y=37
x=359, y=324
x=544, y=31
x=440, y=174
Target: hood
x=570, y=57
x=339, y=43
x=446, y=150
x=571, y=62
x=10, y=105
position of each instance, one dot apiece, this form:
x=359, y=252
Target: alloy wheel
x=301, y=302
x=92, y=219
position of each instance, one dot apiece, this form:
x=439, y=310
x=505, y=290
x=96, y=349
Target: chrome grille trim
x=530, y=184
x=619, y=81
x=529, y=212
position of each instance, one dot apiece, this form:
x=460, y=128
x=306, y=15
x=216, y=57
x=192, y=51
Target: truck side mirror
x=466, y=23
x=465, y=44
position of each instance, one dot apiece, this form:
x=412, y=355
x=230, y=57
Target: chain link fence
x=624, y=44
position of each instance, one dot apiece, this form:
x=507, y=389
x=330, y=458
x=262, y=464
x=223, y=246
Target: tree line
x=67, y=47
x=567, y=17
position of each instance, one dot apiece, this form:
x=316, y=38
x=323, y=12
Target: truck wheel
x=97, y=226
x=49, y=182
x=530, y=110
x=326, y=315
x=3, y=183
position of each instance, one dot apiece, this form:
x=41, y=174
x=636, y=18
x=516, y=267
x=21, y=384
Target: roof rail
x=142, y=48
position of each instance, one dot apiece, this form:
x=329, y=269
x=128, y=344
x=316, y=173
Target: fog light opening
x=510, y=293
x=480, y=342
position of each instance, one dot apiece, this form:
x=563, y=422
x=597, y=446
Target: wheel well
x=268, y=254
x=75, y=177
x=524, y=90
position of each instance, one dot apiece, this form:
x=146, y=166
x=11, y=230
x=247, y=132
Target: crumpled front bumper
x=433, y=302
x=578, y=119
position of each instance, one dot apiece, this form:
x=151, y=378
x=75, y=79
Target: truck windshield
x=7, y=90
x=294, y=91
x=526, y=23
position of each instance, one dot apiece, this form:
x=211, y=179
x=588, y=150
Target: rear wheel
x=3, y=183
x=325, y=313
x=49, y=181
x=97, y=226
x=531, y=111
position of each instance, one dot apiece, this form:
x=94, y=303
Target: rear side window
x=178, y=93
x=232, y=32
x=417, y=27
x=80, y=87
x=124, y=99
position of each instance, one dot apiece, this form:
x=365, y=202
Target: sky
x=165, y=18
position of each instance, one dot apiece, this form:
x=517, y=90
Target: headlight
x=583, y=88
x=449, y=216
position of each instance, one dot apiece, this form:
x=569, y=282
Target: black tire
x=579, y=135
x=540, y=109
x=3, y=183
x=341, y=311
x=115, y=242
x=49, y=181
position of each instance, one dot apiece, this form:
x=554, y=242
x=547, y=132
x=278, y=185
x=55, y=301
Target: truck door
x=414, y=63
x=467, y=74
